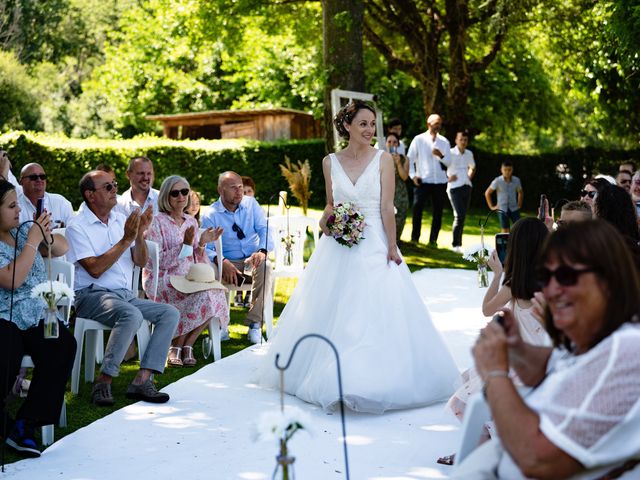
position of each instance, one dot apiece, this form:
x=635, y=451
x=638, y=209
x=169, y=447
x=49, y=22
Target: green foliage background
x=558, y=175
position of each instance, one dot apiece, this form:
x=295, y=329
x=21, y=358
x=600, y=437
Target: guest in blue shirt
x=245, y=244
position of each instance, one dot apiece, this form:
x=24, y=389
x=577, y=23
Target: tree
x=19, y=105
x=343, y=58
x=431, y=41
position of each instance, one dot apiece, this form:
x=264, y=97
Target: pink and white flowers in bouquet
x=346, y=224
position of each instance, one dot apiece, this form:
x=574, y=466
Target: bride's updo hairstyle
x=348, y=113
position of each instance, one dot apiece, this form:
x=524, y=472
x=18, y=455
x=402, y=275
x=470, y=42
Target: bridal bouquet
x=346, y=224
x=480, y=255
x=280, y=426
x=51, y=293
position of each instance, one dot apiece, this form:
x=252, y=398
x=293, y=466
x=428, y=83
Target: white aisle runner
x=206, y=430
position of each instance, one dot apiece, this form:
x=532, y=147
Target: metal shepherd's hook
x=335, y=351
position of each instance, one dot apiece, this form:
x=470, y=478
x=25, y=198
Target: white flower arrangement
x=477, y=253
x=52, y=292
x=280, y=425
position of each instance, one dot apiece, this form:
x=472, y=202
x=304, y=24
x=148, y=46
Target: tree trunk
x=342, y=53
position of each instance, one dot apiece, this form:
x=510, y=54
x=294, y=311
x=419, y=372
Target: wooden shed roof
x=230, y=114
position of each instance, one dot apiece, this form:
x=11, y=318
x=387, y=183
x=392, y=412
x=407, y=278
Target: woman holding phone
x=515, y=292
x=400, y=196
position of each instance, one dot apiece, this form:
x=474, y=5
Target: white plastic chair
x=476, y=415
x=47, y=430
x=94, y=351
x=289, y=264
x=268, y=303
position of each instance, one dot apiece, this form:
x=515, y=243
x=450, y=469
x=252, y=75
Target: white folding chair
x=47, y=430
x=476, y=415
x=289, y=234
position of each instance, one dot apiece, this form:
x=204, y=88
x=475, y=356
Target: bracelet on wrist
x=263, y=250
x=35, y=249
x=489, y=376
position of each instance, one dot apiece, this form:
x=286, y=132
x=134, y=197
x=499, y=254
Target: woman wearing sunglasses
x=180, y=246
x=591, y=189
x=582, y=417
x=518, y=286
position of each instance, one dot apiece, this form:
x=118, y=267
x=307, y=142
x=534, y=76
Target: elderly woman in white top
x=582, y=418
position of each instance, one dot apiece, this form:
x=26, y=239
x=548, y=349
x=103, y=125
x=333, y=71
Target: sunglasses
x=109, y=186
x=183, y=191
x=238, y=231
x=565, y=275
x=590, y=194
x=35, y=176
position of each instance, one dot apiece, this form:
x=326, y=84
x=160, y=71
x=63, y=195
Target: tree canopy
x=520, y=76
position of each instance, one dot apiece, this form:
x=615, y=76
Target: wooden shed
x=264, y=124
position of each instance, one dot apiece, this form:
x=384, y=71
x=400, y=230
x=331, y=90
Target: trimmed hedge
x=558, y=175
x=200, y=162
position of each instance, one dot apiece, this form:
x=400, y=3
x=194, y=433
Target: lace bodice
x=365, y=194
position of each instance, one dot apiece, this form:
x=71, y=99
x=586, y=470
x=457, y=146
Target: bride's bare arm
x=328, y=209
x=388, y=186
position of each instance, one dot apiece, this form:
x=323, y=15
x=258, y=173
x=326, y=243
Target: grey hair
x=163, y=197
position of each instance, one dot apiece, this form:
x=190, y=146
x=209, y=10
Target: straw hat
x=200, y=277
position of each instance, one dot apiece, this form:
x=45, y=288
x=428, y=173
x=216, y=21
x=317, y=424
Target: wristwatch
x=263, y=250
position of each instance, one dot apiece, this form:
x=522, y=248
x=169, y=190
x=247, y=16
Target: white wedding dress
x=391, y=355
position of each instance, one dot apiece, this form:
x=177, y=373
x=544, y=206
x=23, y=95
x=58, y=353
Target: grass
x=81, y=412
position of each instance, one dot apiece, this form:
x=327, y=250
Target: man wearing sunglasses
x=105, y=245
x=140, y=194
x=245, y=243
x=34, y=187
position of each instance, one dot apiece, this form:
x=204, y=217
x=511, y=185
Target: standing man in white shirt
x=429, y=156
x=141, y=194
x=460, y=172
x=105, y=245
x=34, y=187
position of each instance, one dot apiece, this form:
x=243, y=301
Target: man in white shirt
x=104, y=246
x=429, y=156
x=141, y=194
x=34, y=187
x=460, y=172
x=5, y=171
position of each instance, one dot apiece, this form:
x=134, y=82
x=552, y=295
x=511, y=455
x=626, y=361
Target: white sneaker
x=457, y=249
x=254, y=335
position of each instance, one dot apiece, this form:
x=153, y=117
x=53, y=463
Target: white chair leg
x=63, y=415
x=47, y=435
x=214, y=334
x=90, y=355
x=99, y=347
x=75, y=372
x=268, y=316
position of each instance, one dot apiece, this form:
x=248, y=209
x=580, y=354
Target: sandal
x=447, y=459
x=188, y=360
x=173, y=359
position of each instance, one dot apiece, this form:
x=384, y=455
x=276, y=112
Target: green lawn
x=81, y=412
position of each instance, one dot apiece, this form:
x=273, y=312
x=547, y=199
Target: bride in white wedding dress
x=362, y=298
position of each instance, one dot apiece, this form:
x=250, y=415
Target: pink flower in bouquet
x=346, y=224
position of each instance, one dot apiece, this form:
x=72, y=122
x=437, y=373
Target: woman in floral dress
x=180, y=245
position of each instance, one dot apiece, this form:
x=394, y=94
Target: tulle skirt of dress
x=391, y=355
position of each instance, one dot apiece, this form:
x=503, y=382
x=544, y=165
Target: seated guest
x=623, y=179
x=581, y=418
x=249, y=186
x=104, y=245
x=575, y=211
x=193, y=207
x=245, y=243
x=591, y=188
x=141, y=193
x=614, y=205
x=21, y=327
x=34, y=186
x=5, y=171
x=180, y=246
x=635, y=191
x=518, y=287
